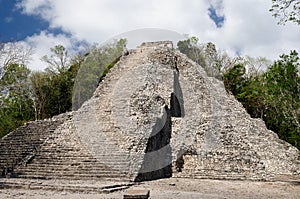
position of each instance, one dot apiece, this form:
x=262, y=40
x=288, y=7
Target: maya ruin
x=155, y=115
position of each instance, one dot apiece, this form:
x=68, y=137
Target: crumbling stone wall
x=157, y=114
x=212, y=137
x=218, y=139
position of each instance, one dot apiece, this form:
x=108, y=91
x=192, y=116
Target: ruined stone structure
x=156, y=114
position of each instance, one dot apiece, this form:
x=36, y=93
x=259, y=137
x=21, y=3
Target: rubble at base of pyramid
x=156, y=114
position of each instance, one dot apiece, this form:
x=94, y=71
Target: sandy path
x=178, y=189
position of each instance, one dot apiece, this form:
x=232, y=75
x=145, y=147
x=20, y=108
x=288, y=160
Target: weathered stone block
x=137, y=194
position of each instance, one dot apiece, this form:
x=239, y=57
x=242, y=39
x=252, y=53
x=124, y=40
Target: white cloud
x=248, y=26
x=218, y=5
x=41, y=44
x=251, y=29
x=95, y=20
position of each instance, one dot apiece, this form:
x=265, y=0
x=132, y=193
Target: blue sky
x=218, y=19
x=16, y=26
x=234, y=26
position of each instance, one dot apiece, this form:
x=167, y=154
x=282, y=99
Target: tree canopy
x=270, y=91
x=286, y=10
x=32, y=95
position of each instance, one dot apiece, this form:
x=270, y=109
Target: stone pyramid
x=156, y=114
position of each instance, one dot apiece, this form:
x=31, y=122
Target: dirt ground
x=180, y=188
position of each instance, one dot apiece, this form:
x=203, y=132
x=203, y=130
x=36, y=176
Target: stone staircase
x=105, y=115
x=59, y=148
x=102, y=146
x=49, y=151
x=20, y=147
x=108, y=137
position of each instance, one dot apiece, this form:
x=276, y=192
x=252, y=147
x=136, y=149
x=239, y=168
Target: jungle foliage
x=27, y=95
x=270, y=91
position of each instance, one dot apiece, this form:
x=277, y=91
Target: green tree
x=192, y=50
x=52, y=88
x=252, y=96
x=283, y=97
x=41, y=90
x=286, y=10
x=15, y=98
x=52, y=92
x=234, y=79
x=59, y=60
x=93, y=69
x=13, y=53
x=273, y=95
x=245, y=80
x=214, y=62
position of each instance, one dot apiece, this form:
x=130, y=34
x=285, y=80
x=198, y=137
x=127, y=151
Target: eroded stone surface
x=155, y=115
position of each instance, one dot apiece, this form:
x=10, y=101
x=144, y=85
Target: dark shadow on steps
x=176, y=101
x=158, y=154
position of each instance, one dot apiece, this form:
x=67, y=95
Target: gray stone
x=137, y=194
x=156, y=114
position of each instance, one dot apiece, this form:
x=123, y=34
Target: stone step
x=67, y=167
x=71, y=175
x=70, y=186
x=79, y=160
x=217, y=176
x=51, y=172
x=71, y=165
x=76, y=156
x=18, y=146
x=79, y=153
x=75, y=176
x=54, y=168
x=14, y=152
